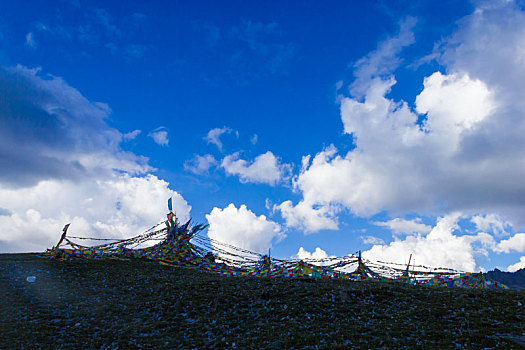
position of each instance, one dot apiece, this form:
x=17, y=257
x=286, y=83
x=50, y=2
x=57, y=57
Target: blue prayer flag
x=170, y=208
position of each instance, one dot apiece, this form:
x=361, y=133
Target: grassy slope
x=109, y=304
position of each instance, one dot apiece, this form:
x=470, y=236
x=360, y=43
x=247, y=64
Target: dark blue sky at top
x=259, y=67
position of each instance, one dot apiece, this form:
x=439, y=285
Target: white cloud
x=459, y=150
x=131, y=135
x=516, y=243
x=160, y=136
x=439, y=248
x=254, y=139
x=242, y=228
x=214, y=136
x=316, y=182
x=305, y=217
x=371, y=240
x=60, y=162
x=266, y=168
x=403, y=226
x=396, y=164
x=120, y=206
x=51, y=131
x=200, y=164
x=491, y=223
x=517, y=266
x=489, y=44
x=382, y=61
x=30, y=40
x=455, y=102
x=317, y=254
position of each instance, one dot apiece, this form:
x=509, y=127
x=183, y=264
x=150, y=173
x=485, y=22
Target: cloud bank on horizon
x=444, y=174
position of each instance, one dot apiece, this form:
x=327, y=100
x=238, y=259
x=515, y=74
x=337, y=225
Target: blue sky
x=394, y=128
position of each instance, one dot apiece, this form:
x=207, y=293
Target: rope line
x=175, y=244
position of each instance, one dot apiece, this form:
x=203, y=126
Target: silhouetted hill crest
x=511, y=279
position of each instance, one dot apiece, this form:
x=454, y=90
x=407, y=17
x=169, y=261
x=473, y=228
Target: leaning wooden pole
x=406, y=274
x=64, y=232
x=409, y=259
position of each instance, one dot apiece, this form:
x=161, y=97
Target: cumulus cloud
x=402, y=166
x=265, y=168
x=120, y=206
x=160, y=136
x=48, y=130
x=403, y=226
x=440, y=247
x=200, y=164
x=321, y=198
x=60, y=162
x=517, y=266
x=516, y=243
x=317, y=254
x=305, y=217
x=489, y=45
x=457, y=150
x=454, y=101
x=242, y=228
x=491, y=223
x=214, y=136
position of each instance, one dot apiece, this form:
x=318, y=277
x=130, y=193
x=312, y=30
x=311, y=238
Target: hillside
x=511, y=279
x=121, y=304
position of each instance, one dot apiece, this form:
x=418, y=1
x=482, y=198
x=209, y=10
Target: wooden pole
x=405, y=274
x=408, y=266
x=64, y=232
